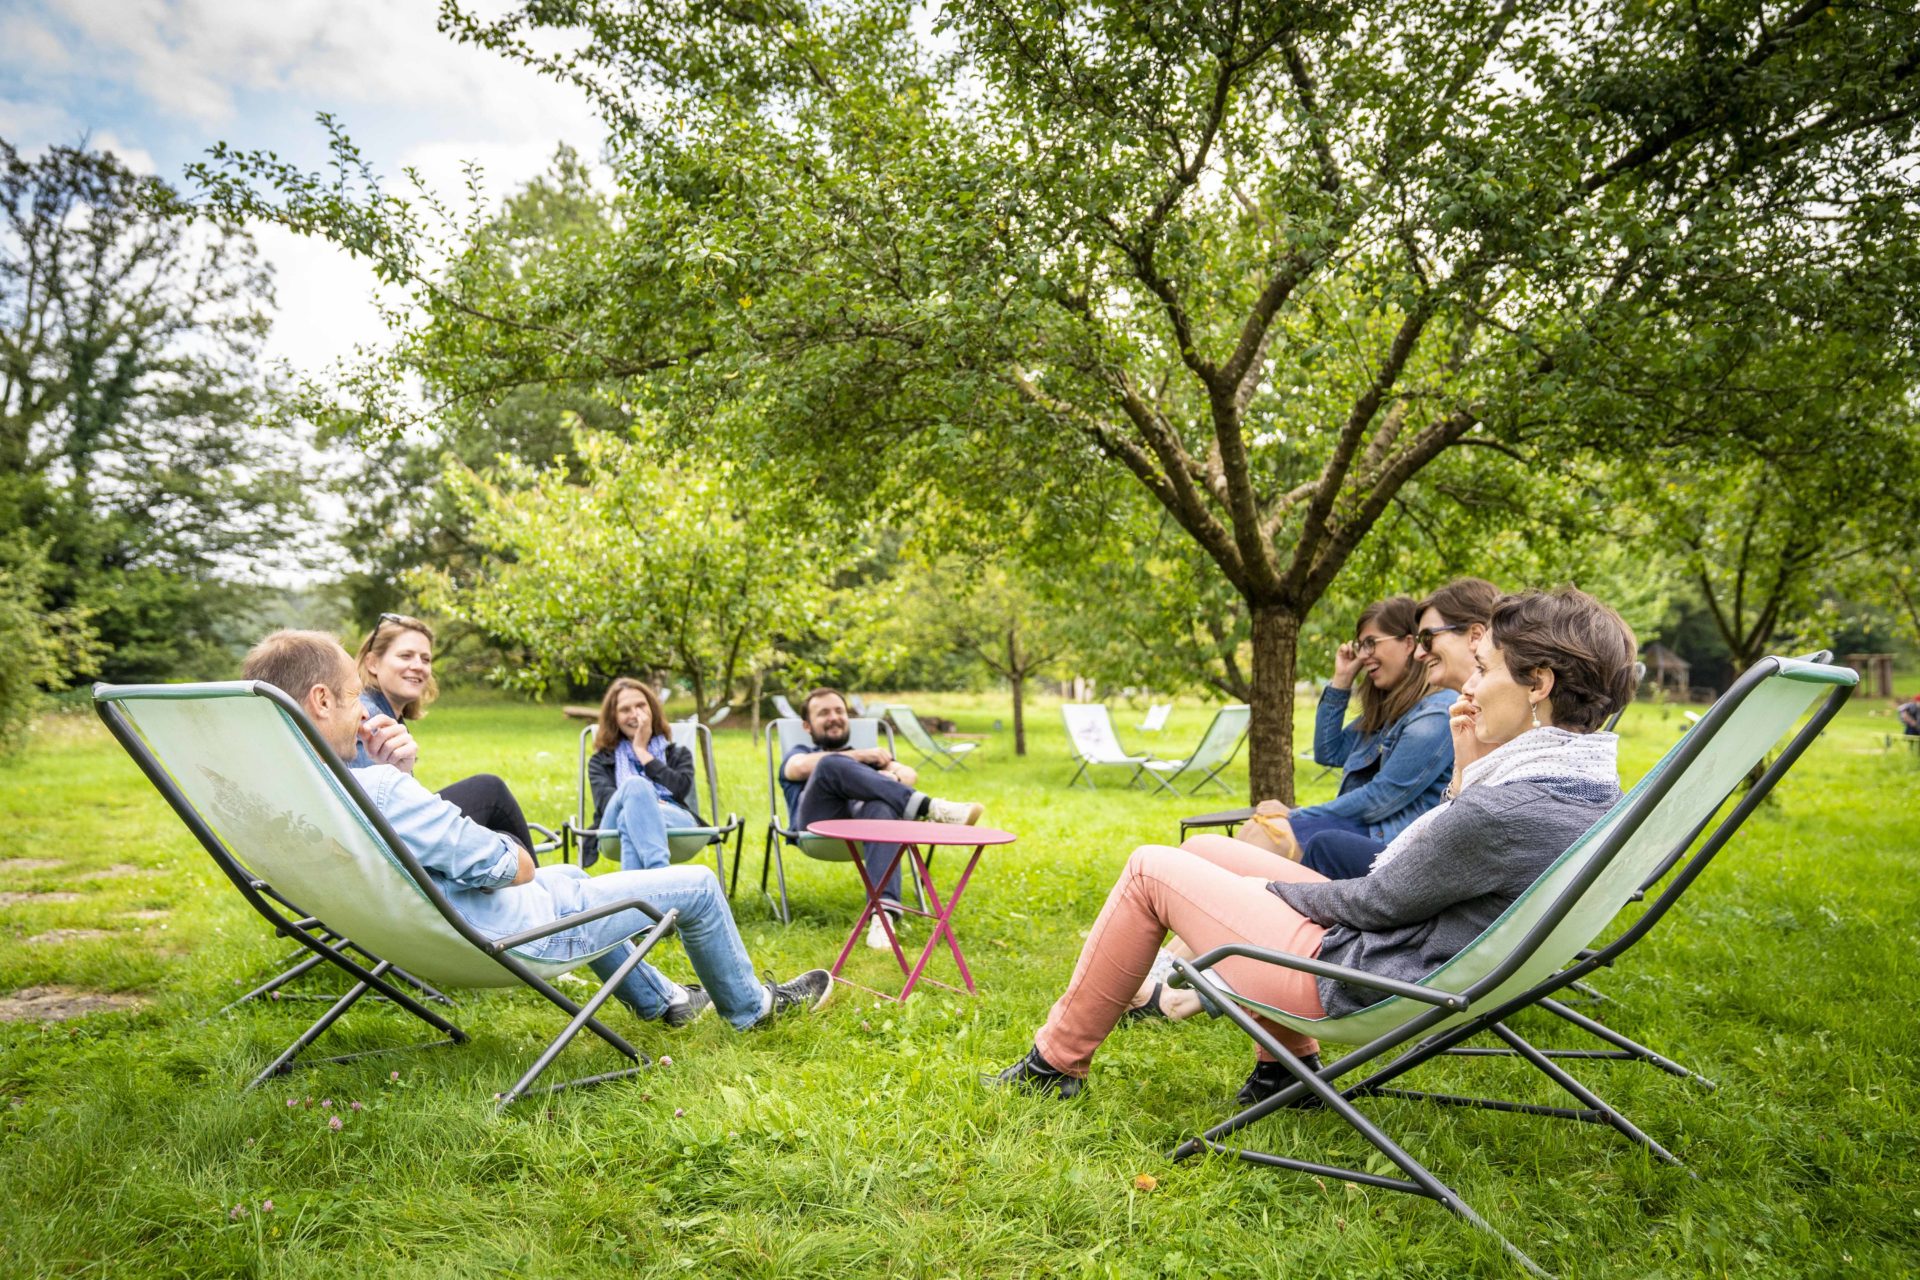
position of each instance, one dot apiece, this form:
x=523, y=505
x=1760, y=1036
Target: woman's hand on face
x=1464, y=720
x=1346, y=664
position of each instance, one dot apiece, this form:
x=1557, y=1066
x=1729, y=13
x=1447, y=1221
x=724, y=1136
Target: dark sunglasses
x=1423, y=638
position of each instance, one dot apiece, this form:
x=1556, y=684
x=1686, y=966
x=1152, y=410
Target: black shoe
x=1269, y=1078
x=690, y=1009
x=808, y=991
x=1148, y=1008
x=1036, y=1075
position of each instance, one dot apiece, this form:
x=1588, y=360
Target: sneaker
x=1269, y=1078
x=877, y=934
x=1036, y=1075
x=689, y=1010
x=809, y=991
x=954, y=812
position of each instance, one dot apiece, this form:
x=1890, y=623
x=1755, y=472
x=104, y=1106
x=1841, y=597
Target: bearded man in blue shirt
x=493, y=882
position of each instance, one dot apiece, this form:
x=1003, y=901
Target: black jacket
x=672, y=769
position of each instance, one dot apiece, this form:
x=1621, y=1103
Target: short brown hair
x=1397, y=616
x=1463, y=601
x=607, y=735
x=806, y=703
x=1588, y=647
x=390, y=628
x=295, y=661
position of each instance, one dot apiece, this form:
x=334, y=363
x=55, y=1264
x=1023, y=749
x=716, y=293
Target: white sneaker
x=954, y=812
x=877, y=934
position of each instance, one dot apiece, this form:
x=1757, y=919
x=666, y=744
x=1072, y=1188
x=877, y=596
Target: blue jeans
x=1311, y=827
x=842, y=787
x=1340, y=855
x=643, y=819
x=706, y=930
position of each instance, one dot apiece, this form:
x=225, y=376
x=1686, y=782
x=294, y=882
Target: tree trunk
x=754, y=701
x=1276, y=638
x=1017, y=678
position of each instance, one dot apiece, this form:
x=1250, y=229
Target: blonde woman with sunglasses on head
x=395, y=663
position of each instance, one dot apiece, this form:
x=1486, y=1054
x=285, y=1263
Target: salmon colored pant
x=1209, y=892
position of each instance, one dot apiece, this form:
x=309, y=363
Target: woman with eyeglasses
x=397, y=685
x=1451, y=622
x=1395, y=756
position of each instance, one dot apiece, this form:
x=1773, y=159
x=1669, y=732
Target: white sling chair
x=1216, y=750
x=1542, y=944
x=948, y=755
x=1090, y=730
x=288, y=823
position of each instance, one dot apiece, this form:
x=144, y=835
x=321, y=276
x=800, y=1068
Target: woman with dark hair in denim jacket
x=1395, y=756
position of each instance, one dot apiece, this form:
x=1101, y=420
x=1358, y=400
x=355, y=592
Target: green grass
x=857, y=1142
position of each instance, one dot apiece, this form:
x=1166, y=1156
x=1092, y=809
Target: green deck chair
x=947, y=756
x=684, y=844
x=287, y=822
x=1541, y=945
x=787, y=734
x=1218, y=746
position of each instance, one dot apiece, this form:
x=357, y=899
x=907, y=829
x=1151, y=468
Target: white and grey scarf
x=1538, y=753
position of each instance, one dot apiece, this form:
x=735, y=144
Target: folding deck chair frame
x=328, y=946
x=684, y=843
x=1422, y=1036
x=1208, y=752
x=929, y=747
x=863, y=731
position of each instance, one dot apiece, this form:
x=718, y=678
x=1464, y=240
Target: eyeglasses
x=1366, y=647
x=1423, y=638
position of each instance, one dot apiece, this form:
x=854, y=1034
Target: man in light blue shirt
x=493, y=882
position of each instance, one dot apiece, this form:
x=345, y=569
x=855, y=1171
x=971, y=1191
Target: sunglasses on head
x=405, y=623
x=1424, y=636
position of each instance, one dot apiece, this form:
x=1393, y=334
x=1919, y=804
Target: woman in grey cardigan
x=1531, y=776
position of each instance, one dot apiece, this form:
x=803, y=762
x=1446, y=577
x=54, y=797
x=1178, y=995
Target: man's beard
x=834, y=744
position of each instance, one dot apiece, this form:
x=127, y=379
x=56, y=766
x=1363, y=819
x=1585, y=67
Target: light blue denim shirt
x=374, y=703
x=1416, y=761
x=473, y=866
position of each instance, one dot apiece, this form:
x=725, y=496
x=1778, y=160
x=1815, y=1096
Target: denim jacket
x=1416, y=761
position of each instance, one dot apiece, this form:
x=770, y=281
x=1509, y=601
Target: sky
x=159, y=81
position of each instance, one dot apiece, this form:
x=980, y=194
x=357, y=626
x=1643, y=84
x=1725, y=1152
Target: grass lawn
x=857, y=1142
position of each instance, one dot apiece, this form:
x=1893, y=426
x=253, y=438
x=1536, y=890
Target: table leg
x=943, y=921
x=873, y=905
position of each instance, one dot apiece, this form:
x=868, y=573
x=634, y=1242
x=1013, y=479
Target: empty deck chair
x=1156, y=717
x=784, y=707
x=683, y=844
x=946, y=755
x=1541, y=945
x=1090, y=731
x=1218, y=746
x=784, y=735
x=286, y=821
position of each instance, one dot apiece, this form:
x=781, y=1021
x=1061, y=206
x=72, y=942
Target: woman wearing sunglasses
x=1395, y=756
x=397, y=685
x=1451, y=623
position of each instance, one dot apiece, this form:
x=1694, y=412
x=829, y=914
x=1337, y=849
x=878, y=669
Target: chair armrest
x=564, y=923
x=1322, y=969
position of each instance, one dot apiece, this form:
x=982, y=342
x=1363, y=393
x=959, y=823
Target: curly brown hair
x=1589, y=648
